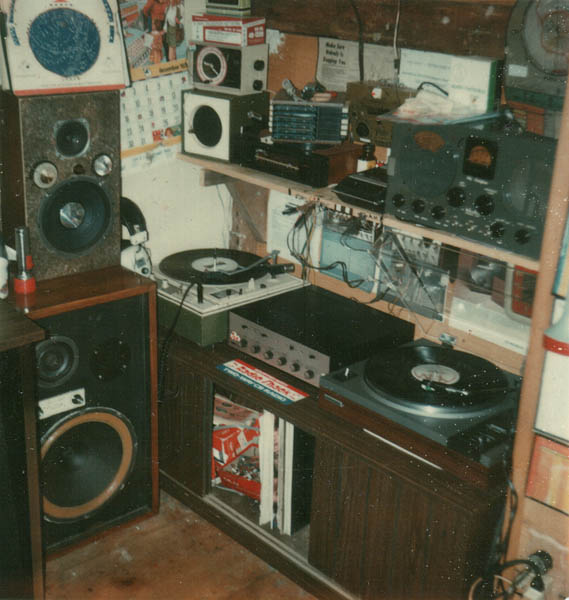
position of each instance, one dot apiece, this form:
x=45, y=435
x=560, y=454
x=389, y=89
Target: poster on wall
x=61, y=46
x=155, y=37
x=151, y=121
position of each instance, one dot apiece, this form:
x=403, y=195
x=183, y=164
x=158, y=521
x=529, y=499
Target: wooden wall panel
x=458, y=27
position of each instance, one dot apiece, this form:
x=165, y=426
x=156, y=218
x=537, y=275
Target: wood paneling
x=459, y=27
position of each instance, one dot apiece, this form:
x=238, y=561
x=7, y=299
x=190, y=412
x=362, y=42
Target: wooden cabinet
x=21, y=568
x=382, y=536
x=383, y=525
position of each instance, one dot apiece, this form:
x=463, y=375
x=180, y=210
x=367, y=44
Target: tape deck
x=487, y=181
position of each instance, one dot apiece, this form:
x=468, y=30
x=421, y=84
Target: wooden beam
x=455, y=27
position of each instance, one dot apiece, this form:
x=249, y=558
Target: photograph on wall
x=154, y=37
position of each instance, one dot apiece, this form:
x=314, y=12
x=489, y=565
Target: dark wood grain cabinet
x=383, y=525
x=382, y=536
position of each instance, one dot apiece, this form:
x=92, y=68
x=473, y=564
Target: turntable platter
x=436, y=381
x=211, y=266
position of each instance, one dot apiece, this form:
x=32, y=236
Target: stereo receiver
x=488, y=182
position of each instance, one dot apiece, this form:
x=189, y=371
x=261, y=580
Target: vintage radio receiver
x=229, y=69
x=488, y=182
x=314, y=122
x=369, y=100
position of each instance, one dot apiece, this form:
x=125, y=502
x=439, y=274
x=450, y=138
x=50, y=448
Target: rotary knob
x=418, y=206
x=281, y=361
x=522, y=236
x=295, y=367
x=398, y=200
x=484, y=205
x=255, y=348
x=497, y=229
x=308, y=374
x=268, y=354
x=438, y=212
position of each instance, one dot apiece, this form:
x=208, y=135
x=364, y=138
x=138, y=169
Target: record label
x=60, y=46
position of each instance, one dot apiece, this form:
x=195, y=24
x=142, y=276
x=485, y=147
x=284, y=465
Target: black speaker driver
x=72, y=137
x=207, y=126
x=75, y=215
x=57, y=359
x=86, y=459
x=436, y=381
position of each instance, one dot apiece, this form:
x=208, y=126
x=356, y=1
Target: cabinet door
x=185, y=441
x=382, y=537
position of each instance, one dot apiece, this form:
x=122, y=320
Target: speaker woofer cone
x=75, y=215
x=207, y=126
x=86, y=459
x=57, y=358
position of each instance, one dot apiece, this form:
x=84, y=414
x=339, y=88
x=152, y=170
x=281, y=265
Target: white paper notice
x=338, y=63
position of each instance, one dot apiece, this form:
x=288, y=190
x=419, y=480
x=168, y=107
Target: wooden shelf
x=327, y=198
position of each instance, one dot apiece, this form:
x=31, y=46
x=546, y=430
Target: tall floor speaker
x=96, y=416
x=61, y=162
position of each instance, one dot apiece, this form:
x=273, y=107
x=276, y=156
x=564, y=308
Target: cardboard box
x=224, y=29
x=243, y=474
x=230, y=442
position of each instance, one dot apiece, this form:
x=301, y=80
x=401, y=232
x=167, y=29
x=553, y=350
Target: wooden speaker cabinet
x=96, y=379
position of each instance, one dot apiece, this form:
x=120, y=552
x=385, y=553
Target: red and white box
x=225, y=29
x=229, y=442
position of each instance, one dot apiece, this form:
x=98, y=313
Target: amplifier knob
x=259, y=65
x=398, y=200
x=255, y=348
x=522, y=236
x=281, y=361
x=295, y=367
x=418, y=206
x=308, y=374
x=456, y=196
x=438, y=211
x=268, y=354
x=484, y=205
x=497, y=229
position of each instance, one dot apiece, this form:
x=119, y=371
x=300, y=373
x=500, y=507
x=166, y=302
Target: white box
x=224, y=29
x=470, y=81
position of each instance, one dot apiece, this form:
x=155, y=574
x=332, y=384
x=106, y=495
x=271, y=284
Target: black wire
x=438, y=87
x=166, y=345
x=360, y=39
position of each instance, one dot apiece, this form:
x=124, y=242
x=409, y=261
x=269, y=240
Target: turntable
x=207, y=283
x=458, y=400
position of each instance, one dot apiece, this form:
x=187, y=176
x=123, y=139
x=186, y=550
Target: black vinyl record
x=211, y=266
x=436, y=380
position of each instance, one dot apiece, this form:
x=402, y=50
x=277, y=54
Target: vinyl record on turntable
x=436, y=381
x=210, y=266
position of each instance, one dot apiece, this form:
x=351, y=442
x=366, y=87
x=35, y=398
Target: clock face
x=64, y=41
x=546, y=35
x=211, y=65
